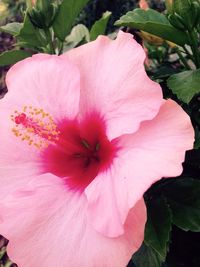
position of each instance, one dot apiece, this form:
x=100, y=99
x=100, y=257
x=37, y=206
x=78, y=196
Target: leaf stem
x=61, y=48
x=182, y=58
x=49, y=40
x=194, y=47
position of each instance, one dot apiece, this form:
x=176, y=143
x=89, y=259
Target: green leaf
x=185, y=84
x=29, y=34
x=182, y=7
x=13, y=56
x=158, y=227
x=99, y=26
x=153, y=22
x=146, y=257
x=12, y=28
x=67, y=13
x=183, y=197
x=79, y=34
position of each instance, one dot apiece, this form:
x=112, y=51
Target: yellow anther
x=36, y=145
x=35, y=126
x=25, y=108
x=54, y=133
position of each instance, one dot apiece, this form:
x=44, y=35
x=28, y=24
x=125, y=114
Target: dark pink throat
x=82, y=152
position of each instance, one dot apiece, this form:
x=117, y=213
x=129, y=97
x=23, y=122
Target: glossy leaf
x=183, y=197
x=29, y=34
x=158, y=227
x=188, y=11
x=146, y=257
x=181, y=7
x=67, y=13
x=13, y=56
x=99, y=26
x=185, y=84
x=153, y=22
x=12, y=28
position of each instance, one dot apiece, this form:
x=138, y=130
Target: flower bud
x=195, y=6
x=42, y=13
x=186, y=12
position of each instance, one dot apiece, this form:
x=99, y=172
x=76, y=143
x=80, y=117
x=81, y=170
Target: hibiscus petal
x=114, y=83
x=39, y=82
x=46, y=224
x=44, y=80
x=157, y=150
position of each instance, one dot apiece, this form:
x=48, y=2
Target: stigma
x=35, y=126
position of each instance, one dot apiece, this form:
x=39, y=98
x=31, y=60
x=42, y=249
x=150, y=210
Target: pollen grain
x=35, y=126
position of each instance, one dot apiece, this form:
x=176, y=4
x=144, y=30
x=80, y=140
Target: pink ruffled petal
x=102, y=195
x=43, y=82
x=157, y=150
x=46, y=224
x=114, y=83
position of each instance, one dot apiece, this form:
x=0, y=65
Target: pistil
x=35, y=126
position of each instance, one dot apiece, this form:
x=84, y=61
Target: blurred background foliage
x=12, y=11
x=95, y=8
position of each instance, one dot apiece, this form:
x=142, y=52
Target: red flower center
x=81, y=152
x=73, y=150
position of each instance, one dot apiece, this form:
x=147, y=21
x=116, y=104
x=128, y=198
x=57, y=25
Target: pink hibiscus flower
x=83, y=136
